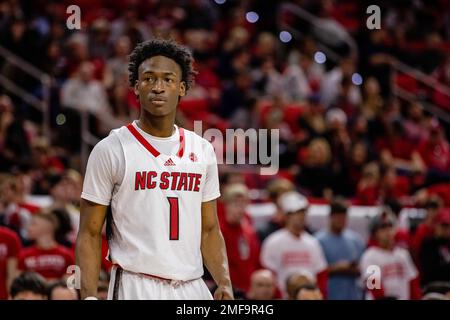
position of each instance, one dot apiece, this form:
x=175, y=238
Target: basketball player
x=162, y=184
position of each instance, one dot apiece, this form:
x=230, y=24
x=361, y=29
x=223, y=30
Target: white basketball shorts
x=125, y=285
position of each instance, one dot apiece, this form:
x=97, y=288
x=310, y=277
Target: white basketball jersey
x=156, y=210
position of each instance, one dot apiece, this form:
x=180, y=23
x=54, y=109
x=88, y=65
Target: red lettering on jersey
x=191, y=177
x=183, y=182
x=175, y=176
x=394, y=270
x=197, y=182
x=295, y=258
x=151, y=184
x=140, y=180
x=164, y=184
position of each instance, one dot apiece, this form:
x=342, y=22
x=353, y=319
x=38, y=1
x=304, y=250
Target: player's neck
x=162, y=127
x=46, y=243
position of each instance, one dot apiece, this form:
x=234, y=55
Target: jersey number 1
x=174, y=218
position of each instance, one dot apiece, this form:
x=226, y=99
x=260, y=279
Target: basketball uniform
x=155, y=187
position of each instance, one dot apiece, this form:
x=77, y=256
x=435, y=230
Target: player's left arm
x=214, y=252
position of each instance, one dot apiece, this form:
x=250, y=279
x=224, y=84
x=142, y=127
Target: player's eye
x=169, y=80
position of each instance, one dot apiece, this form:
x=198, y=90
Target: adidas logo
x=169, y=162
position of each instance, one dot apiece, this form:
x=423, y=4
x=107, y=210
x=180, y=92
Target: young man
x=342, y=248
x=46, y=257
x=292, y=249
x=162, y=184
x=398, y=276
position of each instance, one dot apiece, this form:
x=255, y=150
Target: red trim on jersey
x=182, y=142
x=142, y=140
x=149, y=147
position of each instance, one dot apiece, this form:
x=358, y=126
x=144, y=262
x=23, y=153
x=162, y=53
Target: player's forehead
x=160, y=65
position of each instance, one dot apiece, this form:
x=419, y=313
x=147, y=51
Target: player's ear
x=182, y=89
x=136, y=88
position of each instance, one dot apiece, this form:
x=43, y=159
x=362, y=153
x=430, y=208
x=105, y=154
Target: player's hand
x=223, y=293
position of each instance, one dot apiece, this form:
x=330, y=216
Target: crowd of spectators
x=339, y=137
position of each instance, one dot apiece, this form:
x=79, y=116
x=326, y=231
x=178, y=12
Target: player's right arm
x=103, y=172
x=89, y=246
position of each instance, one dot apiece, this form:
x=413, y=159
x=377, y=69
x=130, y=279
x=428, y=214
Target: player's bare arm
x=89, y=246
x=214, y=251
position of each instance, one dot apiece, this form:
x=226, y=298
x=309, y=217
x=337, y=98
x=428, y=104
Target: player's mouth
x=159, y=101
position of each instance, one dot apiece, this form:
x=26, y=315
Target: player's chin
x=158, y=110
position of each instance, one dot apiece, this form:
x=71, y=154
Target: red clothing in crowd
x=367, y=196
x=423, y=231
x=9, y=248
x=400, y=188
x=435, y=155
x=50, y=263
x=243, y=250
x=442, y=190
x=399, y=147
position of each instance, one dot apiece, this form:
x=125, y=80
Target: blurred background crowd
x=361, y=126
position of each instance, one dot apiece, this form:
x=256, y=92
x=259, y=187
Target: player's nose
x=158, y=86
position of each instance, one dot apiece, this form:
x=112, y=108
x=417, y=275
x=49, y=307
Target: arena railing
x=334, y=31
x=43, y=104
x=325, y=31
x=426, y=81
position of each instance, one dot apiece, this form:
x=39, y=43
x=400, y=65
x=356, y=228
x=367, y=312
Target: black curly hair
x=160, y=47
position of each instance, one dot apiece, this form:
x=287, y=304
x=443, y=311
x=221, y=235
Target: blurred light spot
x=357, y=79
x=219, y=1
x=285, y=36
x=320, y=57
x=60, y=119
x=252, y=16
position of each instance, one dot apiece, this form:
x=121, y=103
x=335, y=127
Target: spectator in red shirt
x=435, y=151
x=9, y=250
x=368, y=190
x=426, y=228
x=241, y=240
x=395, y=148
x=46, y=256
x=394, y=186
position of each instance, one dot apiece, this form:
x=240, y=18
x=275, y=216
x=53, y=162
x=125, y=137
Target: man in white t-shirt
x=292, y=250
x=161, y=182
x=398, y=277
